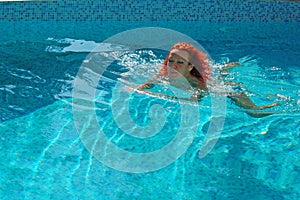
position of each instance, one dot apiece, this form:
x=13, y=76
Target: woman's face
x=178, y=67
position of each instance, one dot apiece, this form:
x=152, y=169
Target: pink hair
x=199, y=60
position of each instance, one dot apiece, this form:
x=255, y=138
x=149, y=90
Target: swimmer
x=184, y=61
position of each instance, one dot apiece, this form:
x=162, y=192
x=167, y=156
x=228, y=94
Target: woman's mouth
x=173, y=73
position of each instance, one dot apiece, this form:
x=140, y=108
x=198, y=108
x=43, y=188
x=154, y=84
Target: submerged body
x=186, y=67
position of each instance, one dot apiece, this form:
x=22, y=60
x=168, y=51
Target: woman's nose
x=172, y=64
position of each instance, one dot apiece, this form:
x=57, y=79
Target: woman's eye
x=180, y=62
x=171, y=60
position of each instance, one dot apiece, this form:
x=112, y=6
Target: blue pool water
x=43, y=154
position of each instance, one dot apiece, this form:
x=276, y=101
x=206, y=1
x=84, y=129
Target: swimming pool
x=45, y=156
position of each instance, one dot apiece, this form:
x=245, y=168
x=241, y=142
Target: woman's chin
x=174, y=76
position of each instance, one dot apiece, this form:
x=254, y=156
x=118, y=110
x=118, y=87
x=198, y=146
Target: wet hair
x=199, y=60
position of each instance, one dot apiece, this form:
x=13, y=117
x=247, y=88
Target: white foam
x=73, y=45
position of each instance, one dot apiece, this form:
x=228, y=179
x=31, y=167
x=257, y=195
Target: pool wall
x=148, y=10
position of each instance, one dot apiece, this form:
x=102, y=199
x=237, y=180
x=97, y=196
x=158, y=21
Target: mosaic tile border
x=148, y=10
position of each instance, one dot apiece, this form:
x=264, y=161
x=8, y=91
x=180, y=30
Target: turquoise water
x=43, y=156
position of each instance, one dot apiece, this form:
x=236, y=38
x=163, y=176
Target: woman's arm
x=231, y=65
x=146, y=85
x=193, y=98
x=243, y=101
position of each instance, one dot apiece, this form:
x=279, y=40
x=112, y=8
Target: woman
x=185, y=63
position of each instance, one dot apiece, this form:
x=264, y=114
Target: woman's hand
x=139, y=87
x=231, y=65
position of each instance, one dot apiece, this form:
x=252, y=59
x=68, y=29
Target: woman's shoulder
x=198, y=84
